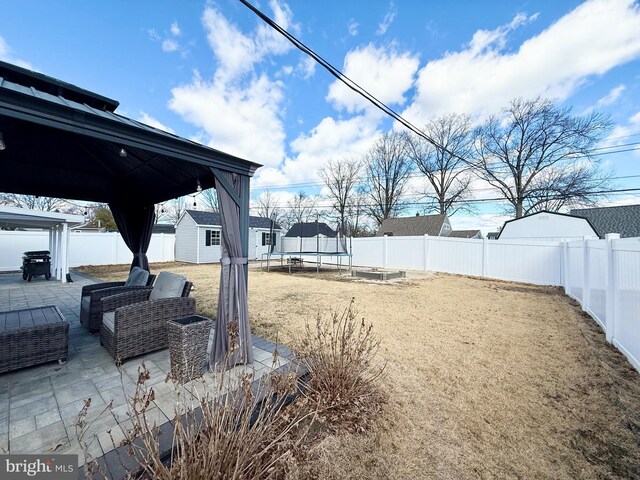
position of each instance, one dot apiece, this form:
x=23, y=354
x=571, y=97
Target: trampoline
x=298, y=250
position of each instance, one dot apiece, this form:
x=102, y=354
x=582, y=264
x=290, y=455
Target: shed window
x=267, y=239
x=212, y=237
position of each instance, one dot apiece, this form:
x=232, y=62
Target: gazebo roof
x=28, y=218
x=64, y=141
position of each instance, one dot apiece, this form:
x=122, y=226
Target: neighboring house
x=475, y=234
x=198, y=237
x=432, y=225
x=492, y=235
x=624, y=220
x=547, y=226
x=311, y=229
x=164, y=228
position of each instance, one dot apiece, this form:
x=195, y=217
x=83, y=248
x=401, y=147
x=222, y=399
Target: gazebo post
x=244, y=223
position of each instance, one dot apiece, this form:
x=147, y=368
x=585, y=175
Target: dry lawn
x=486, y=379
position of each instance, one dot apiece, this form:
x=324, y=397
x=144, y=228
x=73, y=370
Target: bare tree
x=537, y=153
x=387, y=170
x=175, y=208
x=341, y=178
x=446, y=165
x=48, y=204
x=301, y=208
x=269, y=207
x=209, y=200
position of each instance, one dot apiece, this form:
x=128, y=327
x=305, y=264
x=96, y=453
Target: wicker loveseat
x=90, y=307
x=135, y=322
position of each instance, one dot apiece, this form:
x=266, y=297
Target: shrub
x=340, y=352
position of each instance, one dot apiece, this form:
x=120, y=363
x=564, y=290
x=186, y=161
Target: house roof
x=464, y=233
x=64, y=141
x=624, y=220
x=211, y=218
x=311, y=229
x=412, y=226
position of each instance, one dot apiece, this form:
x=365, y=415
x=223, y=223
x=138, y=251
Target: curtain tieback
x=234, y=260
x=139, y=255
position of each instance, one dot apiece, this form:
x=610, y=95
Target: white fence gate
x=85, y=248
x=603, y=275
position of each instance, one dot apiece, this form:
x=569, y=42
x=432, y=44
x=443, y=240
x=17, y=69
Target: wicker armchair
x=139, y=324
x=90, y=308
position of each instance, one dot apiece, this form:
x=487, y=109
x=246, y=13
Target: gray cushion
x=137, y=277
x=86, y=302
x=168, y=285
x=108, y=319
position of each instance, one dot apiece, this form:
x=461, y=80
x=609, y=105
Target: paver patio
x=39, y=406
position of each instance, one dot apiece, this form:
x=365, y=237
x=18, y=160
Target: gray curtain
x=232, y=342
x=135, y=224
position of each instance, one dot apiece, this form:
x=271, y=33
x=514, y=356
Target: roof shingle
x=412, y=226
x=624, y=220
x=211, y=218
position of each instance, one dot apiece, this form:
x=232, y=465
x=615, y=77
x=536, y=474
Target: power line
x=623, y=191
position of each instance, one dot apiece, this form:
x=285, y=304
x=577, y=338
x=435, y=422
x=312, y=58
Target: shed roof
x=624, y=219
x=311, y=229
x=412, y=226
x=211, y=218
x=64, y=141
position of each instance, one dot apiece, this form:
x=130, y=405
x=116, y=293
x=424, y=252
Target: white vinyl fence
x=603, y=275
x=85, y=248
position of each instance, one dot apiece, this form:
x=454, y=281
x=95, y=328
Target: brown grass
x=486, y=379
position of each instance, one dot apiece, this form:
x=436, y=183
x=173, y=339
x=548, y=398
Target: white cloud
x=387, y=20
x=481, y=78
x=175, y=29
x=169, y=45
x=383, y=71
x=147, y=119
x=153, y=35
x=239, y=110
x=241, y=121
x=6, y=55
x=621, y=133
x=611, y=97
x=306, y=67
x=331, y=138
x=237, y=52
x=352, y=27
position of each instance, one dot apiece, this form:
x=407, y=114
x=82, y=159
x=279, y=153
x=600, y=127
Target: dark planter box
x=188, y=338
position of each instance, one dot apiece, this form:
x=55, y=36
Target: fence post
x=610, y=317
x=485, y=257
x=426, y=252
x=565, y=265
x=384, y=251
x=586, y=275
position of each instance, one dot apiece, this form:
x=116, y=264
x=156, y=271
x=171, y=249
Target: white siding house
x=547, y=226
x=198, y=236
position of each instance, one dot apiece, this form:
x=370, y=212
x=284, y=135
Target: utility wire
x=623, y=191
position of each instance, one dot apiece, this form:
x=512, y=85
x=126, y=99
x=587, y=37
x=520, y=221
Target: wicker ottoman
x=188, y=338
x=32, y=336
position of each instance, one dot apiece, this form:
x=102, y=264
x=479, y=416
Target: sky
x=213, y=72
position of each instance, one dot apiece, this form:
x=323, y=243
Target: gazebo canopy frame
x=59, y=140
x=59, y=226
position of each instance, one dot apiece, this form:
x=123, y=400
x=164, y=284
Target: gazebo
x=59, y=140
